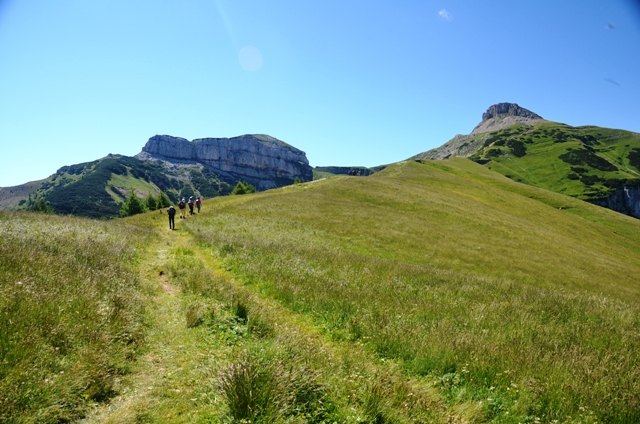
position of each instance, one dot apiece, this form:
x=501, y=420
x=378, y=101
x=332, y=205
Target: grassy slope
x=72, y=313
x=425, y=293
x=547, y=141
x=496, y=291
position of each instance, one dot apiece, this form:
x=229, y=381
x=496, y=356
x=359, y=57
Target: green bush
x=133, y=206
x=42, y=206
x=151, y=202
x=243, y=187
x=163, y=201
x=586, y=157
x=517, y=148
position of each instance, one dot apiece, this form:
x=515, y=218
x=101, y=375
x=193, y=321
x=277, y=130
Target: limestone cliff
x=261, y=160
x=625, y=199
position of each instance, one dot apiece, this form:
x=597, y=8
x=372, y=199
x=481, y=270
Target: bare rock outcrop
x=504, y=115
x=625, y=199
x=261, y=160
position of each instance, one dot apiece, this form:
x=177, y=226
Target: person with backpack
x=171, y=211
x=182, y=205
x=191, y=205
x=198, y=203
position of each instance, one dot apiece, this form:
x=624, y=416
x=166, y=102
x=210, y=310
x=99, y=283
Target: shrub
x=152, y=203
x=517, y=148
x=586, y=157
x=243, y=187
x=590, y=179
x=493, y=153
x=133, y=206
x=163, y=201
x=42, y=206
x=634, y=158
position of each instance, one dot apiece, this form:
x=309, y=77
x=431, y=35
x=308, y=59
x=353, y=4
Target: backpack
x=180, y=204
x=171, y=211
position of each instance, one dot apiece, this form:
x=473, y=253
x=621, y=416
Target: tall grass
x=505, y=337
x=71, y=314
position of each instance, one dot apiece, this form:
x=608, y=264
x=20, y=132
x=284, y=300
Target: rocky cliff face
x=625, y=200
x=261, y=160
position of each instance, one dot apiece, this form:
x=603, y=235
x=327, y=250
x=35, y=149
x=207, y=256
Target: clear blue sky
x=350, y=82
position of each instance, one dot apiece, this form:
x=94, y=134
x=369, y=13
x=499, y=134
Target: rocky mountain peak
x=508, y=109
x=502, y=115
x=497, y=117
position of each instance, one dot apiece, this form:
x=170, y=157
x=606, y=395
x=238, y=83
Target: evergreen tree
x=243, y=187
x=163, y=201
x=133, y=206
x=42, y=206
x=152, y=203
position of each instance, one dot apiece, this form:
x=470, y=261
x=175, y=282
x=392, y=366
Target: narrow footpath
x=174, y=378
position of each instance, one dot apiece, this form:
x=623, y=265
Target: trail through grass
x=207, y=332
x=430, y=292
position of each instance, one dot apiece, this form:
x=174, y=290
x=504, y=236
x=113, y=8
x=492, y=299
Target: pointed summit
x=498, y=116
x=502, y=115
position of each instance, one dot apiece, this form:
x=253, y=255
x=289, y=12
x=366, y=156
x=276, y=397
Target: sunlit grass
x=514, y=302
x=71, y=314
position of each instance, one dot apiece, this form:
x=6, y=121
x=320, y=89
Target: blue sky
x=349, y=82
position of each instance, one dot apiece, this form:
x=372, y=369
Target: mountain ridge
x=596, y=164
x=208, y=167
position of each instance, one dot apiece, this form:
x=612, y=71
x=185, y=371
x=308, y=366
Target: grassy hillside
x=584, y=162
x=72, y=313
x=518, y=301
x=427, y=292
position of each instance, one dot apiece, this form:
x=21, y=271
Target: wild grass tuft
x=196, y=313
x=265, y=389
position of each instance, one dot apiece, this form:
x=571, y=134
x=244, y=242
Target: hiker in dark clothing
x=198, y=203
x=171, y=211
x=191, y=205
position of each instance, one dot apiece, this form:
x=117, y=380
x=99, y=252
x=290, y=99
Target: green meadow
x=435, y=291
x=584, y=162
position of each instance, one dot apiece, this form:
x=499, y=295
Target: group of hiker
x=182, y=205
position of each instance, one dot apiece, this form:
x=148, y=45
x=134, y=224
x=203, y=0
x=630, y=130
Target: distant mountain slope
x=97, y=189
x=15, y=197
x=599, y=165
x=497, y=117
x=207, y=167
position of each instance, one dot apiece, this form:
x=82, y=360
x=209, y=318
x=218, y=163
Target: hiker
x=191, y=205
x=183, y=206
x=171, y=211
x=198, y=203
